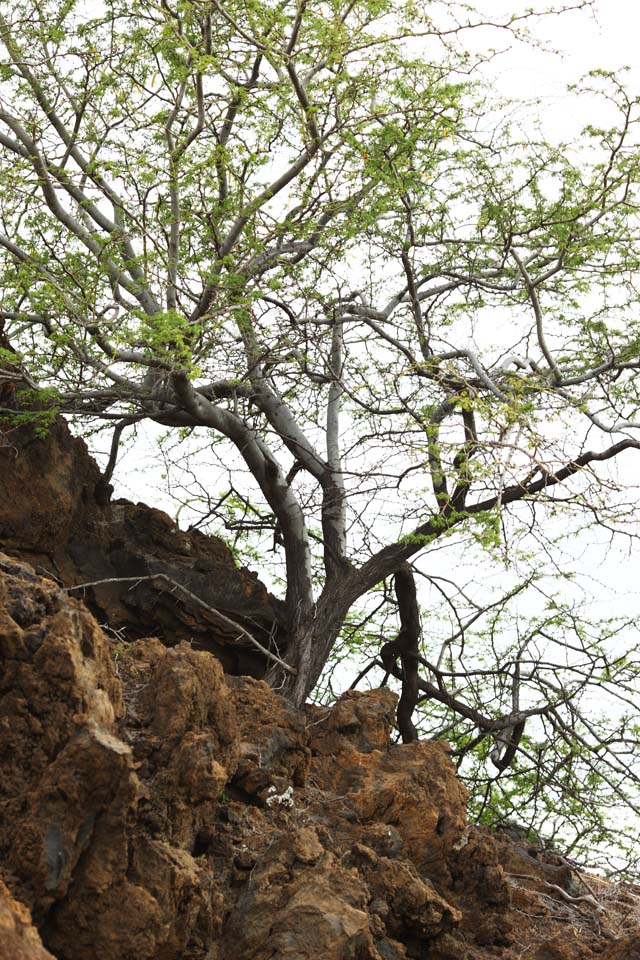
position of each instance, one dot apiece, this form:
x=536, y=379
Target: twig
x=583, y=898
x=196, y=599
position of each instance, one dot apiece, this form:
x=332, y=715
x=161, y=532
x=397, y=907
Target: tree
x=304, y=232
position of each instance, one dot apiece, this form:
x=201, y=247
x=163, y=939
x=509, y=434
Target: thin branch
x=216, y=614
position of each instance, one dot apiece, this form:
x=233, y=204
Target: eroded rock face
x=182, y=726
x=274, y=751
x=153, y=809
x=62, y=767
x=19, y=939
x=74, y=842
x=53, y=516
x=357, y=722
x=411, y=788
x=300, y=903
x=156, y=810
x=47, y=492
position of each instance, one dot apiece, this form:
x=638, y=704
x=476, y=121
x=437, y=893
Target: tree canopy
x=304, y=238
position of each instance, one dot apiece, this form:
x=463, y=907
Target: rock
x=154, y=809
x=294, y=908
x=274, y=751
x=74, y=844
x=56, y=673
x=47, y=486
x=19, y=939
x=306, y=846
x=563, y=948
x=319, y=922
x=476, y=868
x=358, y=721
x=163, y=905
x=627, y=948
x=181, y=721
x=412, y=788
x=416, y=911
x=82, y=801
x=51, y=517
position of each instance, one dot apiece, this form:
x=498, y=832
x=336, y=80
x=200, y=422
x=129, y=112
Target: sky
x=605, y=39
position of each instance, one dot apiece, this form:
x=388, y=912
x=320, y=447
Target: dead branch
x=216, y=614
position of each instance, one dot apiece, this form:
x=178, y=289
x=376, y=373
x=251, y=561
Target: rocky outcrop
x=19, y=939
x=74, y=846
x=52, y=515
x=409, y=789
x=153, y=808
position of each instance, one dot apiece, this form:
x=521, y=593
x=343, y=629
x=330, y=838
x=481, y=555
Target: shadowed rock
x=51, y=517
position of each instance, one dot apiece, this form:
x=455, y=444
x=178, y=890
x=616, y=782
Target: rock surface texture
x=19, y=939
x=53, y=515
x=153, y=809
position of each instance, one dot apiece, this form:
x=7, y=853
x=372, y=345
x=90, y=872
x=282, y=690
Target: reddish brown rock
x=297, y=906
x=74, y=844
x=19, y=939
x=416, y=911
x=358, y=721
x=182, y=724
x=564, y=947
x=163, y=904
x=153, y=809
x=274, y=751
x=477, y=870
x=85, y=796
x=55, y=669
x=627, y=948
x=47, y=487
x=410, y=787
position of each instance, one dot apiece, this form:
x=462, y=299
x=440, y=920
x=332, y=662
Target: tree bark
x=312, y=640
x=405, y=646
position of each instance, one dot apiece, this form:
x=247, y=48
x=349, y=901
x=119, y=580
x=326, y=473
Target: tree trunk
x=311, y=643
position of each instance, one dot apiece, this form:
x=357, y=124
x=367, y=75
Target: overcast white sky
x=606, y=38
